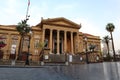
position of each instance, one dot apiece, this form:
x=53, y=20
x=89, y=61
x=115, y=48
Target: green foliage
x=41, y=45
x=108, y=58
x=110, y=27
x=106, y=39
x=1, y=42
x=23, y=28
x=92, y=47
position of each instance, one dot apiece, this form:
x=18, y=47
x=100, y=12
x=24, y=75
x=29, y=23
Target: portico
x=59, y=41
x=61, y=37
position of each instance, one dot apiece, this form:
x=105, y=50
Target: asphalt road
x=95, y=71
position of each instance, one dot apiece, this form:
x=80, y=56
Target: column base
x=50, y=53
x=58, y=53
x=66, y=63
x=13, y=63
x=42, y=63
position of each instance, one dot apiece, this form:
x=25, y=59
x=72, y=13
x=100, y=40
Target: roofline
x=45, y=21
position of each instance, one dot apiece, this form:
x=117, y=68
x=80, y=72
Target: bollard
x=42, y=63
x=70, y=58
x=13, y=63
x=66, y=63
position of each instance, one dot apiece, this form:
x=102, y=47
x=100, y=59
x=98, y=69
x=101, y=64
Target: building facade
x=60, y=35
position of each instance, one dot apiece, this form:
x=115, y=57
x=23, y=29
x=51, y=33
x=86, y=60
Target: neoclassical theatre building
x=62, y=36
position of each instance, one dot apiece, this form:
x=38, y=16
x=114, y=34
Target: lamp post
x=28, y=53
x=85, y=39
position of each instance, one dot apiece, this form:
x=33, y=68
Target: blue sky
x=92, y=14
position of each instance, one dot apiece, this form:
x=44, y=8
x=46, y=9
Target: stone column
x=51, y=40
x=72, y=43
x=43, y=36
x=58, y=42
x=9, y=40
x=65, y=41
x=78, y=48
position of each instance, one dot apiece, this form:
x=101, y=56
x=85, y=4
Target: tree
x=2, y=44
x=110, y=28
x=106, y=40
x=92, y=47
x=41, y=46
x=23, y=28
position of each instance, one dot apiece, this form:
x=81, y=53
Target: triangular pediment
x=60, y=22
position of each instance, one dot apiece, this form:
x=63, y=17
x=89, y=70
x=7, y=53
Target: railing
x=92, y=57
x=41, y=55
x=52, y=58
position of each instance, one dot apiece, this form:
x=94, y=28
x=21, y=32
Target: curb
x=10, y=66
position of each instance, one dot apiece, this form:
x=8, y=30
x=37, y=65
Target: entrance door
x=60, y=46
x=55, y=47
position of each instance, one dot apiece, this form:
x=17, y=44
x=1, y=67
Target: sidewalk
x=98, y=71
x=21, y=64
x=17, y=64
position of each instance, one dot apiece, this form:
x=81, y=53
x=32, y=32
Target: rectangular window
x=36, y=43
x=26, y=42
x=14, y=39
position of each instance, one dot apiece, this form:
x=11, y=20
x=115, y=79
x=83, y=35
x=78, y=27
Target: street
x=94, y=71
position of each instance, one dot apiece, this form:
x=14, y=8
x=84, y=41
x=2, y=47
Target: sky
x=93, y=15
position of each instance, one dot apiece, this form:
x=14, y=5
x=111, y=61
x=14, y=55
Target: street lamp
x=86, y=39
x=28, y=53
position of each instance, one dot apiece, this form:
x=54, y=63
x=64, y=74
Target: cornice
x=61, y=25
